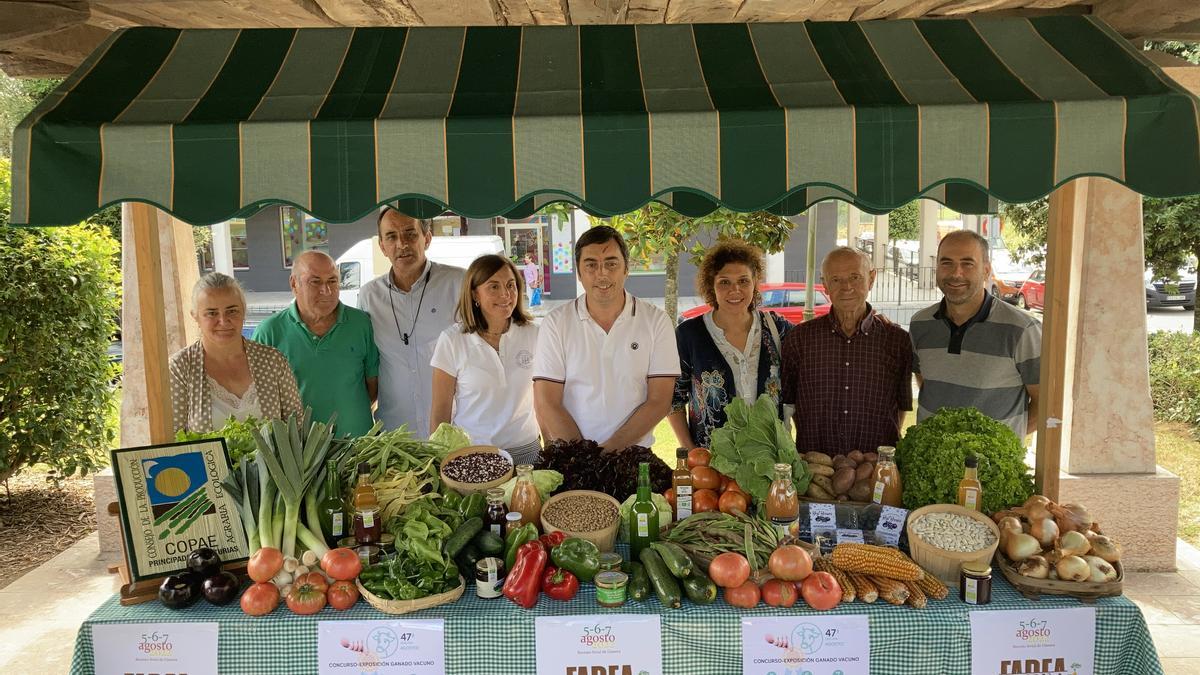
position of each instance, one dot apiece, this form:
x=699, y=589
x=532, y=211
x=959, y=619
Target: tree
x=656, y=229
x=1025, y=230
x=905, y=222
x=17, y=98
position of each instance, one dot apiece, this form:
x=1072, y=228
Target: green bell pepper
x=450, y=498
x=522, y=535
x=578, y=556
x=473, y=506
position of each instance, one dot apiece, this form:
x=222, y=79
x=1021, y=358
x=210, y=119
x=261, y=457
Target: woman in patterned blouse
x=223, y=374
x=732, y=351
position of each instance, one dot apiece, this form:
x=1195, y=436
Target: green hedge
x=59, y=298
x=1175, y=377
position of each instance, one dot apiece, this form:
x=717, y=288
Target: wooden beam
x=1065, y=223
x=142, y=220
x=1164, y=19
x=19, y=19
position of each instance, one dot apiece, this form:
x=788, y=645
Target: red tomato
x=265, y=564
x=704, y=500
x=821, y=591
x=314, y=579
x=732, y=501
x=706, y=478
x=729, y=570
x=698, y=457
x=342, y=564
x=779, y=593
x=669, y=495
x=732, y=486
x=261, y=598
x=745, y=596
x=342, y=595
x=790, y=563
x=305, y=599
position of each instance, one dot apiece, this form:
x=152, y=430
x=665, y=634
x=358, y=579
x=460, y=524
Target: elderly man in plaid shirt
x=848, y=373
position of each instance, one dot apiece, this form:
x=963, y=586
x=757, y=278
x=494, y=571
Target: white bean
x=953, y=532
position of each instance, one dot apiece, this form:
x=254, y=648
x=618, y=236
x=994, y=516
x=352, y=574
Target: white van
x=364, y=261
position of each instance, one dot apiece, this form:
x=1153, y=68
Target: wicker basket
x=943, y=564
x=406, y=606
x=604, y=539
x=465, y=489
x=1086, y=591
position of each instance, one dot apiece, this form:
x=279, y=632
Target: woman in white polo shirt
x=483, y=365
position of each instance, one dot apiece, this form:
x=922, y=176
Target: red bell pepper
x=525, y=579
x=559, y=584
x=552, y=540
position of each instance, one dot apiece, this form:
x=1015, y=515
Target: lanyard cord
x=417, y=315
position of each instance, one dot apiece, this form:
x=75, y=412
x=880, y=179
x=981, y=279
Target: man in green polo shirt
x=331, y=347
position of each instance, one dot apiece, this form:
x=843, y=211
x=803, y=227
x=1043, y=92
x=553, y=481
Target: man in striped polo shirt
x=971, y=350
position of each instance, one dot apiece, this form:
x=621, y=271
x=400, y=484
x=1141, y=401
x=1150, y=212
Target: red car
x=1033, y=292
x=786, y=300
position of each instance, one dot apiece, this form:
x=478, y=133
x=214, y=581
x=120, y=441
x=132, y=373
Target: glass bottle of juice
x=643, y=517
x=525, y=497
x=332, y=510
x=367, y=528
x=681, y=481
x=783, y=504
x=970, y=491
x=493, y=518
x=887, y=487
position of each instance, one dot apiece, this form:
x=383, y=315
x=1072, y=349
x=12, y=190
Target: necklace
x=416, y=315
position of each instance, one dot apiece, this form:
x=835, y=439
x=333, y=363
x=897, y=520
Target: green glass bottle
x=643, y=517
x=332, y=510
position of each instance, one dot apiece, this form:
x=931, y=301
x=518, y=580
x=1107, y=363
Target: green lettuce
x=545, y=480
x=751, y=443
x=450, y=436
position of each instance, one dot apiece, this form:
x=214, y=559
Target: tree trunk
x=671, y=287
x=1196, y=314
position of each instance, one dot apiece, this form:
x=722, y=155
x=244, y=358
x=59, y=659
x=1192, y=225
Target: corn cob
x=890, y=590
x=877, y=561
x=932, y=587
x=843, y=579
x=864, y=588
x=916, y=597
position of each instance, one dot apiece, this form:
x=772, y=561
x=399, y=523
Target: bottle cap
x=513, y=516
x=681, y=453
x=971, y=462
x=364, y=467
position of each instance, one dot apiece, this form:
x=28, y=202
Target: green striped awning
x=213, y=124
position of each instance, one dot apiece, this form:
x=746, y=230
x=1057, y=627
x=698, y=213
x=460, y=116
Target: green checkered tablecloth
x=496, y=636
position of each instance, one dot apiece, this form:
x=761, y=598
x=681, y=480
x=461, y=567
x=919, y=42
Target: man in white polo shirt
x=606, y=363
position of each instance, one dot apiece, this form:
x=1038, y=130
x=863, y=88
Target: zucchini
x=699, y=588
x=463, y=534
x=676, y=560
x=639, y=581
x=661, y=580
x=489, y=543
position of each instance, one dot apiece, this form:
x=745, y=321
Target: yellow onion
x=1021, y=546
x=1045, y=531
x=1073, y=543
x=1073, y=568
x=1105, y=548
x=1034, y=567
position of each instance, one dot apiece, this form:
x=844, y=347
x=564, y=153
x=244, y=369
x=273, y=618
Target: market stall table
x=496, y=636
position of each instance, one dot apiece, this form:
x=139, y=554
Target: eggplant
x=204, y=562
x=221, y=588
x=180, y=590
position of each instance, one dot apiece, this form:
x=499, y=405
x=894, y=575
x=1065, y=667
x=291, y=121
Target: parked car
x=1032, y=294
x=1007, y=287
x=786, y=300
x=1166, y=292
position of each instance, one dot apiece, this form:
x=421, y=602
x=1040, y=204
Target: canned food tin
x=368, y=554
x=611, y=562
x=387, y=542
x=347, y=542
x=489, y=578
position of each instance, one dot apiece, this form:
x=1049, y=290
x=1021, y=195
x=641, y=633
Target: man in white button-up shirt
x=606, y=363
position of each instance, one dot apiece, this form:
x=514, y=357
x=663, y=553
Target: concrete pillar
x=927, y=255
x=222, y=248
x=1104, y=414
x=775, y=268
x=879, y=255
x=853, y=216
x=970, y=222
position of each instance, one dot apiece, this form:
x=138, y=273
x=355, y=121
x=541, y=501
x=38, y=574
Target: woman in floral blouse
x=223, y=374
x=732, y=351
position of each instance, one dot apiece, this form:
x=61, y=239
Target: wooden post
x=143, y=221
x=1064, y=229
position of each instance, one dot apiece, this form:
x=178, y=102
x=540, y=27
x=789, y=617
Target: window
x=351, y=274
x=796, y=298
x=773, y=299
x=300, y=232
x=238, y=244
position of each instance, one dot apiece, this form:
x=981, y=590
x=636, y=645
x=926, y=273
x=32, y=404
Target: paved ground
x=41, y=612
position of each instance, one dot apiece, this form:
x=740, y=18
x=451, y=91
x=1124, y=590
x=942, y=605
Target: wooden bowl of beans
x=589, y=515
x=476, y=468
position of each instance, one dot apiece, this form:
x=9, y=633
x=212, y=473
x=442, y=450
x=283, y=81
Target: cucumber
x=463, y=534
x=639, y=581
x=674, y=557
x=661, y=580
x=489, y=543
x=699, y=588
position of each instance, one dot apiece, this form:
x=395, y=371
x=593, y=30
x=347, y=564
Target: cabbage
x=452, y=437
x=660, y=502
x=545, y=480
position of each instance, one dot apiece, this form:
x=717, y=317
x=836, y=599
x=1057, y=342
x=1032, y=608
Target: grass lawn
x=1179, y=452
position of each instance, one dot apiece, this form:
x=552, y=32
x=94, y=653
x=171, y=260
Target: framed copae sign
x=172, y=503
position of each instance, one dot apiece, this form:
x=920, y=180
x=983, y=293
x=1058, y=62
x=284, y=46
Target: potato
x=870, y=457
x=818, y=458
x=864, y=470
x=817, y=492
x=820, y=470
x=826, y=484
x=861, y=490
x=843, y=479
x=855, y=455
x=843, y=498
x=841, y=461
